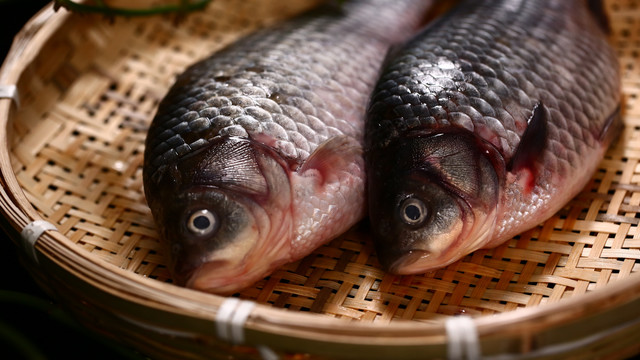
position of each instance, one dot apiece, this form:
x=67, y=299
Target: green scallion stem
x=101, y=8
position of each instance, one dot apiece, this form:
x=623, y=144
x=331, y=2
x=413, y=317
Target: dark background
x=32, y=325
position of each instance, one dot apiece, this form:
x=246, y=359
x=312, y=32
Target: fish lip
x=202, y=280
x=411, y=262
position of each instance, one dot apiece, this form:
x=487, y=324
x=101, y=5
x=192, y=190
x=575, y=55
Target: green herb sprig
x=100, y=7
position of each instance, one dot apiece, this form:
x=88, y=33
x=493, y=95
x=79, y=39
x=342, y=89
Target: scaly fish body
x=484, y=125
x=254, y=157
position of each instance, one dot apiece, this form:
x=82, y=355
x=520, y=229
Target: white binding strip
x=230, y=321
x=456, y=330
x=267, y=353
x=31, y=233
x=223, y=318
x=239, y=318
x=10, y=92
x=231, y=317
x=462, y=338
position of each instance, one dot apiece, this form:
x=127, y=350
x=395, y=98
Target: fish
x=254, y=157
x=485, y=124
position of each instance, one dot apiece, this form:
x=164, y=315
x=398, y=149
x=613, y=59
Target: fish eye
x=202, y=222
x=413, y=211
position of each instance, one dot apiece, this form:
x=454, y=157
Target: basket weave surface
x=75, y=145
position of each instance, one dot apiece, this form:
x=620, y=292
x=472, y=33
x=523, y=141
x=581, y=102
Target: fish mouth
x=412, y=262
x=214, y=277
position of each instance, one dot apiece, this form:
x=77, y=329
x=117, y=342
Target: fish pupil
x=413, y=212
x=201, y=222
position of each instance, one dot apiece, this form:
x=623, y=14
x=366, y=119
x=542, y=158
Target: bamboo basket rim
x=264, y=319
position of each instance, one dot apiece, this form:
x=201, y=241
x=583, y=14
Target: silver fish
x=485, y=124
x=254, y=158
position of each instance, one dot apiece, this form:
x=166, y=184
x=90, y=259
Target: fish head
x=209, y=231
x=433, y=199
x=222, y=212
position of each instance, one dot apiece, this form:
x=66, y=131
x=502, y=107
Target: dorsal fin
x=532, y=141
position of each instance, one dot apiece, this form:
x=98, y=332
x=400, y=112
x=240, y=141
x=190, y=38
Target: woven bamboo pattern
x=77, y=151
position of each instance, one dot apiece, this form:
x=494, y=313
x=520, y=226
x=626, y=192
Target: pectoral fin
x=611, y=128
x=339, y=152
x=530, y=148
x=533, y=140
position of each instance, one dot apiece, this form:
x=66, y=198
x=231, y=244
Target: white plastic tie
x=31, y=233
x=10, y=92
x=231, y=318
x=462, y=338
x=230, y=321
x=267, y=354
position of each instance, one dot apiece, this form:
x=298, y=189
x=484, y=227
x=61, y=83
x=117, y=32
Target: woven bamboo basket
x=71, y=155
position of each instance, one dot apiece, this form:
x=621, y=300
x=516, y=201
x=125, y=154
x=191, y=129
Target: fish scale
x=222, y=89
x=470, y=107
x=498, y=112
x=482, y=70
x=261, y=143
